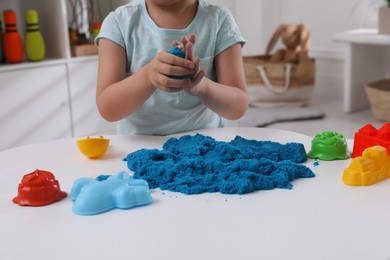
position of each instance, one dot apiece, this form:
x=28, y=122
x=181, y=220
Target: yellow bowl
x=93, y=147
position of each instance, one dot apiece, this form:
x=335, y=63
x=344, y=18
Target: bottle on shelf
x=96, y=29
x=1, y=42
x=33, y=41
x=12, y=42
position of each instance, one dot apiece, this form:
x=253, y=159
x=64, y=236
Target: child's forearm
x=124, y=97
x=227, y=101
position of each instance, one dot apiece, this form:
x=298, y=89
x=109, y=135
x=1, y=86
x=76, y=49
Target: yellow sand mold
x=373, y=166
x=93, y=147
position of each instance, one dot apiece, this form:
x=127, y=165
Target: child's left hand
x=187, y=44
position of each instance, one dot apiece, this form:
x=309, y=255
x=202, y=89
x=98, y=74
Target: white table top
x=362, y=36
x=320, y=218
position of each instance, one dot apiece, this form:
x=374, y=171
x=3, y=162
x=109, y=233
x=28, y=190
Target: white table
x=320, y=218
x=366, y=61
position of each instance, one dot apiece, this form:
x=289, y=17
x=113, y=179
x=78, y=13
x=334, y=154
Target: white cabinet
x=86, y=117
x=367, y=60
x=53, y=98
x=34, y=105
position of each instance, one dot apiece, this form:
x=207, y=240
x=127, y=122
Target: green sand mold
x=328, y=146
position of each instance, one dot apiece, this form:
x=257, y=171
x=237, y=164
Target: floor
x=335, y=120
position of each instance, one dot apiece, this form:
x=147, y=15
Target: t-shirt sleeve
x=228, y=33
x=111, y=29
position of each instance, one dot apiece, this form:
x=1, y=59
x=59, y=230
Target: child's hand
x=194, y=88
x=165, y=64
x=184, y=41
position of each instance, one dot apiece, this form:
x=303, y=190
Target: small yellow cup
x=93, y=147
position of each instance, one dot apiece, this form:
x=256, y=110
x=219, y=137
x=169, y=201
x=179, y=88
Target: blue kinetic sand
x=197, y=164
x=179, y=53
x=94, y=196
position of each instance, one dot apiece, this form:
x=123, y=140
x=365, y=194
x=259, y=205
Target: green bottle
x=33, y=40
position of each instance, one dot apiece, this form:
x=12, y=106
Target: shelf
x=36, y=92
x=52, y=23
x=54, y=19
x=362, y=36
x=28, y=65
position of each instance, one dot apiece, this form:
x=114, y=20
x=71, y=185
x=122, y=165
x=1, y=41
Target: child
x=135, y=84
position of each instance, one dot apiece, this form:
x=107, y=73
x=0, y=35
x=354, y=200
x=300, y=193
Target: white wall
x=258, y=19
x=325, y=18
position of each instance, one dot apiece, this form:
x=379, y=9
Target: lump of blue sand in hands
x=179, y=53
x=197, y=164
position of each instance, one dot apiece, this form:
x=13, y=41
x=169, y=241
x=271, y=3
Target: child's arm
x=118, y=96
x=228, y=96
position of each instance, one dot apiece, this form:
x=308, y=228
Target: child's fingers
x=175, y=43
x=189, y=51
x=192, y=38
x=184, y=40
x=172, y=60
x=197, y=64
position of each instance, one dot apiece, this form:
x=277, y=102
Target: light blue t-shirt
x=131, y=27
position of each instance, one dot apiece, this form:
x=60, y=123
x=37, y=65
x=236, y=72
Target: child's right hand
x=165, y=64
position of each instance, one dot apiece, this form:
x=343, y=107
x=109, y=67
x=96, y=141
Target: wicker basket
x=378, y=93
x=278, y=83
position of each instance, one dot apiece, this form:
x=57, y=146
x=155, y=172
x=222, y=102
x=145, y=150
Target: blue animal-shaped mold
x=95, y=196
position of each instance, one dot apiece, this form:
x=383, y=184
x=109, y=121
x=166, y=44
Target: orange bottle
x=1, y=42
x=12, y=42
x=96, y=29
